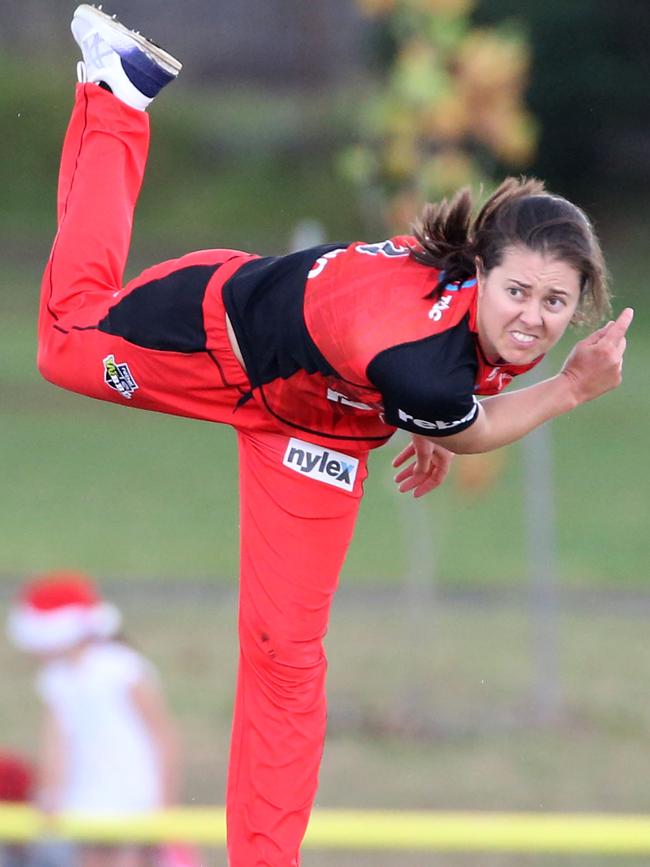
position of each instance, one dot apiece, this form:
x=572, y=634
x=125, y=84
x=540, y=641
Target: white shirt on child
x=110, y=766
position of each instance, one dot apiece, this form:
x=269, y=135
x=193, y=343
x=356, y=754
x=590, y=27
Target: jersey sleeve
x=428, y=386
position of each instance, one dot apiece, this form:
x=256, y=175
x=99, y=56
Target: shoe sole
x=100, y=20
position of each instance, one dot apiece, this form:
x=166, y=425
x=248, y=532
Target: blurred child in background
x=109, y=746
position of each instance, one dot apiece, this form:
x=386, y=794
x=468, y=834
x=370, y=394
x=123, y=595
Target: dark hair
x=520, y=213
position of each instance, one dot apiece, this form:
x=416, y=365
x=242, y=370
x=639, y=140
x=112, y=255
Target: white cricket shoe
x=134, y=68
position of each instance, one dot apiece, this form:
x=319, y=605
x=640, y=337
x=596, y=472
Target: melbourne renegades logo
x=118, y=377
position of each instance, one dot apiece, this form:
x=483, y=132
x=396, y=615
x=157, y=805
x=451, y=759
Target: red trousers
x=298, y=501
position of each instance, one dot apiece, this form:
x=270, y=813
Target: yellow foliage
x=449, y=119
x=450, y=88
x=507, y=130
x=488, y=62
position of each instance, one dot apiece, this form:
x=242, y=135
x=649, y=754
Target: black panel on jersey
x=164, y=314
x=428, y=385
x=264, y=300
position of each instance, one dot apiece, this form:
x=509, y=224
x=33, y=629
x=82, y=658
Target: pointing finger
x=619, y=328
x=599, y=334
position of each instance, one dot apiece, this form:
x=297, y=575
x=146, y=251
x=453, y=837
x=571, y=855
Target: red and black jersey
x=347, y=342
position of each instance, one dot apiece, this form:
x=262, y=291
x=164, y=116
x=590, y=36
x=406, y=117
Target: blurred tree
x=448, y=110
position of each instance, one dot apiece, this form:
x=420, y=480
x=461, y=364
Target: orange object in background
x=474, y=475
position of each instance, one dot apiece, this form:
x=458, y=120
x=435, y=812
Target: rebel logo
x=425, y=424
x=324, y=465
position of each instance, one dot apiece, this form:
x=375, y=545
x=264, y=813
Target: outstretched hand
x=427, y=471
x=595, y=365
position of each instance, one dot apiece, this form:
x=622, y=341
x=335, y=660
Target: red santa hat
x=58, y=610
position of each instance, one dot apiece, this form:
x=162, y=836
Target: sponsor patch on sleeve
x=118, y=377
x=324, y=465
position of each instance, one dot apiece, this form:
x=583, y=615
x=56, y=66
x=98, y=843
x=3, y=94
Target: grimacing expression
x=525, y=305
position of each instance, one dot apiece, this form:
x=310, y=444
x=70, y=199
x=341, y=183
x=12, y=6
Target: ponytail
x=444, y=233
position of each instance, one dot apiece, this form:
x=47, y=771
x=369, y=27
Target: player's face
x=525, y=305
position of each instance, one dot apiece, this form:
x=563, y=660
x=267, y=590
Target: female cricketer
x=314, y=358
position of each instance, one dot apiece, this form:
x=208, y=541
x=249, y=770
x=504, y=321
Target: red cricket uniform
x=340, y=344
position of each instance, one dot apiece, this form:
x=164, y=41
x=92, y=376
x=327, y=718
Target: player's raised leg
x=103, y=161
x=150, y=344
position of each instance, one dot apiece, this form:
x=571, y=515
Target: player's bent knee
x=290, y=667
x=61, y=369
